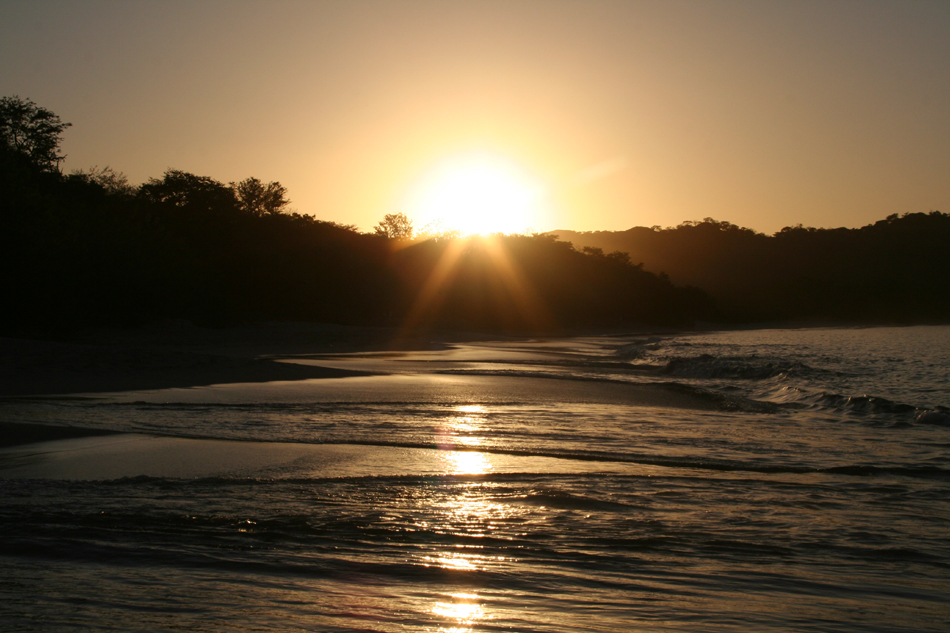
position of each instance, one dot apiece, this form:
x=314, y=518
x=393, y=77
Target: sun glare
x=477, y=194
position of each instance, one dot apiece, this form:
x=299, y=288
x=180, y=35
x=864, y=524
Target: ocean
x=757, y=480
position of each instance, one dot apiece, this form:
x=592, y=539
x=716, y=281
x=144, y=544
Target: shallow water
x=757, y=480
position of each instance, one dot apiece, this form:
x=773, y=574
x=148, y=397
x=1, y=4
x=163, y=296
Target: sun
x=477, y=193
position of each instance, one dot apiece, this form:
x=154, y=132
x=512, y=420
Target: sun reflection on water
x=464, y=609
x=455, y=561
x=462, y=427
x=468, y=514
x=467, y=463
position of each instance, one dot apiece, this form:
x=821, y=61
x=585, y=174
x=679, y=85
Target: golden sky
x=629, y=113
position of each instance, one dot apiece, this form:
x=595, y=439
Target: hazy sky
x=765, y=114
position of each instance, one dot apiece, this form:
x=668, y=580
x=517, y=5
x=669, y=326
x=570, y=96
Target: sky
x=618, y=114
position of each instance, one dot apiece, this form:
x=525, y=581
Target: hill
x=894, y=270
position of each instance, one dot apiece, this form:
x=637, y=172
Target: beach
x=775, y=480
x=179, y=355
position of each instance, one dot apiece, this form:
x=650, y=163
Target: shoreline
x=176, y=354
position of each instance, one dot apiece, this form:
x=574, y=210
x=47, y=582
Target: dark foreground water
x=753, y=481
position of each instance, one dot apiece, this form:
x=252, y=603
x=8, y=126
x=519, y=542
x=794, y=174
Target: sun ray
x=531, y=308
x=512, y=286
x=428, y=301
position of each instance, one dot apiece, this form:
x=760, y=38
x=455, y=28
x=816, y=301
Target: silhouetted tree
x=622, y=258
x=256, y=198
x=188, y=191
x=395, y=226
x=31, y=131
x=436, y=230
x=111, y=181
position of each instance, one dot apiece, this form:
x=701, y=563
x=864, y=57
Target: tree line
x=894, y=270
x=90, y=249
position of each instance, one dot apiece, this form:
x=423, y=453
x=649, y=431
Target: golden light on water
x=468, y=513
x=467, y=463
x=456, y=561
x=471, y=421
x=463, y=429
x=464, y=609
x=478, y=194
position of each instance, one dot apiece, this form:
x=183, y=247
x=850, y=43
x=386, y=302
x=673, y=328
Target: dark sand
x=178, y=354
x=15, y=433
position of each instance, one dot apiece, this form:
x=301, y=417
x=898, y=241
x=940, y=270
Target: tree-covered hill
x=89, y=249
x=893, y=270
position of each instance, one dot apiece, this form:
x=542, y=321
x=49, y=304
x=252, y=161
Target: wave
x=718, y=399
x=864, y=404
x=878, y=406
x=741, y=368
x=569, y=501
x=938, y=417
x=638, y=349
x=694, y=463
